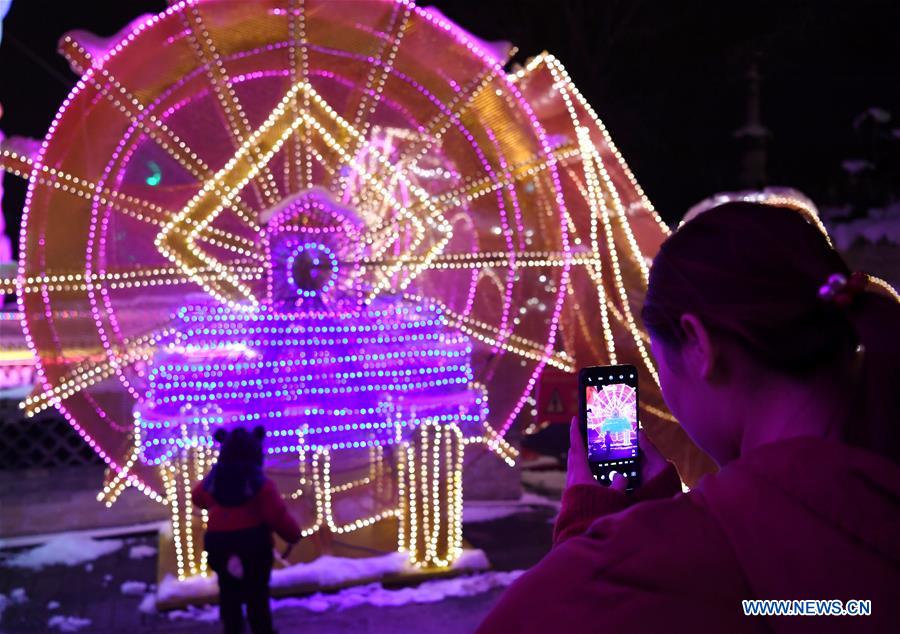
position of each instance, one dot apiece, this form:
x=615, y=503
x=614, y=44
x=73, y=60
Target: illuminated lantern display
x=341, y=220
x=322, y=370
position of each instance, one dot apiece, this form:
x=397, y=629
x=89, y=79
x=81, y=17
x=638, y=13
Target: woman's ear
x=698, y=350
x=259, y=432
x=220, y=435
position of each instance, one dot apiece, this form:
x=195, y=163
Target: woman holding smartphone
x=784, y=366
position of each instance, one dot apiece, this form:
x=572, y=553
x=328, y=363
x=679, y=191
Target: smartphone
x=608, y=396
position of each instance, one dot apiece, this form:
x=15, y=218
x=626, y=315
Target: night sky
x=668, y=78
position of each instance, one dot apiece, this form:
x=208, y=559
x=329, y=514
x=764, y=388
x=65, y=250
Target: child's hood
x=238, y=473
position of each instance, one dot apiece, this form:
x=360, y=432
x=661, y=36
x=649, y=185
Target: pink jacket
x=804, y=518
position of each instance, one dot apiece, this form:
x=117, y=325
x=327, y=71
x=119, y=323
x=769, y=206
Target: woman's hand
x=578, y=470
x=652, y=462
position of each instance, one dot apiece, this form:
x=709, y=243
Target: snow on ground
x=323, y=572
x=148, y=604
x=377, y=595
x=68, y=623
x=140, y=551
x=486, y=511
x=53, y=605
x=539, y=462
x=549, y=481
x=188, y=588
x=879, y=224
x=333, y=571
x=204, y=614
x=136, y=588
x=374, y=594
x=65, y=549
x=16, y=596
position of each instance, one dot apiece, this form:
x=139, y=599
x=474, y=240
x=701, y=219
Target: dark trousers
x=253, y=546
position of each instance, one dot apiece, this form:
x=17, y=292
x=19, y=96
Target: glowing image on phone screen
x=611, y=422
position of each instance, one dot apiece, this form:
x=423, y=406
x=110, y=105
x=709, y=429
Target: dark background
x=668, y=78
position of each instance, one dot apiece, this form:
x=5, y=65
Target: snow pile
x=374, y=594
x=428, y=592
x=148, y=604
x=141, y=551
x=486, y=511
x=547, y=481
x=67, y=550
x=326, y=571
x=377, y=595
x=53, y=605
x=204, y=614
x=194, y=587
x=68, y=623
x=135, y=588
x=880, y=224
x=16, y=596
x=333, y=571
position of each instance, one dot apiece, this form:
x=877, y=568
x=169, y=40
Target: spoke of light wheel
x=617, y=278
x=473, y=189
x=594, y=266
x=373, y=236
x=561, y=78
x=297, y=160
x=203, y=208
x=119, y=279
x=24, y=167
x=636, y=255
x=238, y=124
x=436, y=128
x=379, y=69
x=491, y=259
x=114, y=487
x=434, y=215
x=86, y=375
x=135, y=111
x=488, y=334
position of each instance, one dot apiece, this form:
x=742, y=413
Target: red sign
x=557, y=396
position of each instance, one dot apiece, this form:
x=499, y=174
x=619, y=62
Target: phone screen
x=610, y=421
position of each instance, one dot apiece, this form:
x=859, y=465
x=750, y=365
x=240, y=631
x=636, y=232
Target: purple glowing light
x=472, y=144
x=319, y=373
x=315, y=380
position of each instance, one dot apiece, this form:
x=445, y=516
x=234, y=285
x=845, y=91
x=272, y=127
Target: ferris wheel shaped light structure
x=163, y=193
